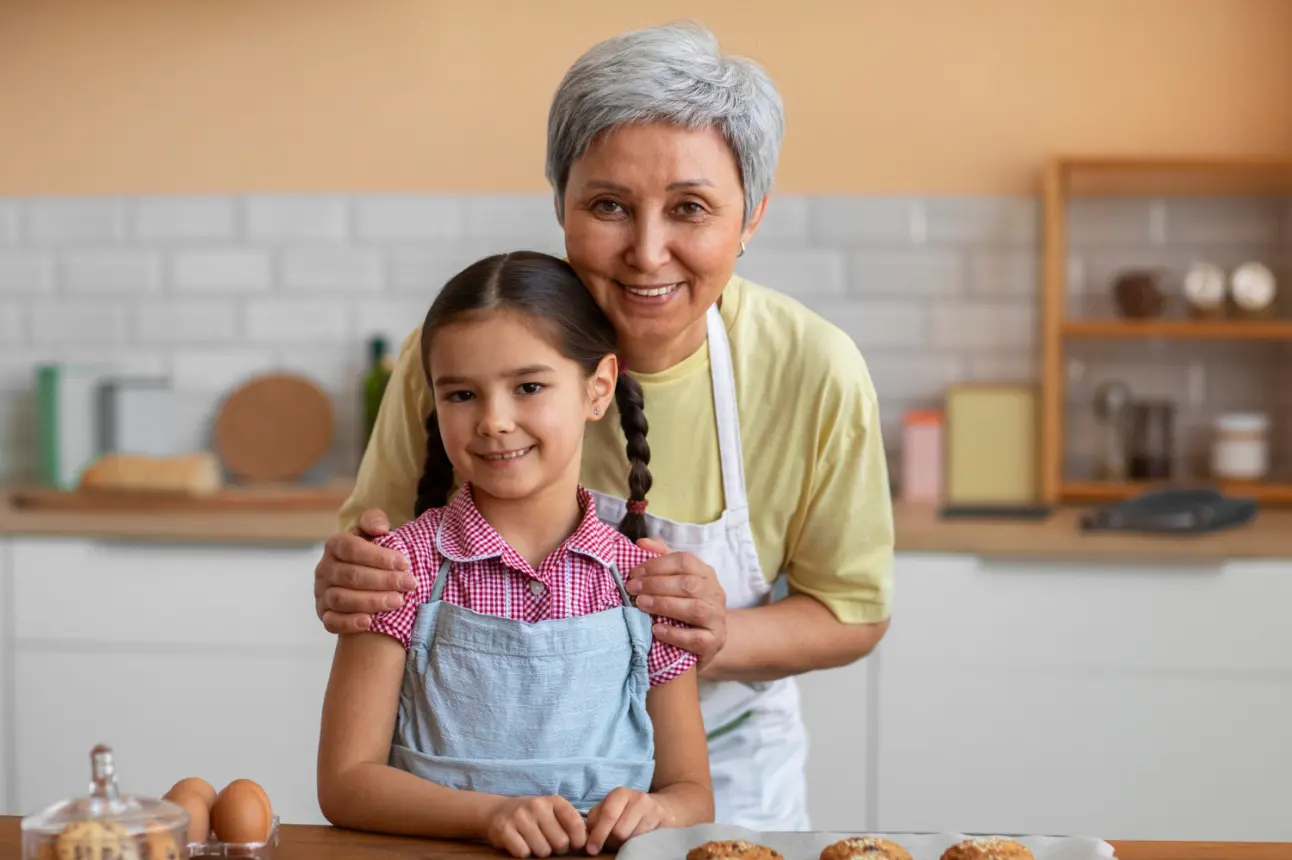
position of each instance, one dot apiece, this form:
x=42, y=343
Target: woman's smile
x=653, y=294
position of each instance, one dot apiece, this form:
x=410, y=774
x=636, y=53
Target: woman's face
x=653, y=223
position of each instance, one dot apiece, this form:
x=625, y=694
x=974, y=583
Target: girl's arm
x=357, y=789
x=682, y=783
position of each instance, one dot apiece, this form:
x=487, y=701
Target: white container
x=1240, y=446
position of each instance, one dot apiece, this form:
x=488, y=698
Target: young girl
x=517, y=696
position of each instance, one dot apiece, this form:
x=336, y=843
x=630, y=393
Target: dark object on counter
x=1182, y=511
x=1152, y=441
x=1138, y=295
x=1001, y=512
x=374, y=384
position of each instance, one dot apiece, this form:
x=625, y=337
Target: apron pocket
x=584, y=782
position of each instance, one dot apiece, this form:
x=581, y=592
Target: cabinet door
x=837, y=710
x=8, y=803
x=188, y=660
x=168, y=716
x=1127, y=702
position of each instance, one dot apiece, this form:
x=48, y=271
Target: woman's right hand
x=356, y=578
x=537, y=826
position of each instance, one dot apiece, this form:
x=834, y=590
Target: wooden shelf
x=1190, y=163
x=1157, y=176
x=1112, y=329
x=1171, y=176
x=1112, y=491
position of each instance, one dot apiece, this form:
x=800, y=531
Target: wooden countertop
x=308, y=842
x=919, y=529
x=236, y=527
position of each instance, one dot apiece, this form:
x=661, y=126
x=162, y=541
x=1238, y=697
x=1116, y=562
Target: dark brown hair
x=543, y=288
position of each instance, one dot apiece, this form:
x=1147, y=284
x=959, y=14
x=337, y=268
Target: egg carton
x=243, y=850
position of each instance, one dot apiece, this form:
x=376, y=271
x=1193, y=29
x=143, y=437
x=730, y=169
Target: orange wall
x=174, y=96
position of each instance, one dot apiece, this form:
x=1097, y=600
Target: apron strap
x=619, y=581
x=725, y=412
x=440, y=578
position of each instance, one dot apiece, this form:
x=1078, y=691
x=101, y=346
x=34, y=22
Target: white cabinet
x=189, y=660
x=6, y=675
x=838, y=710
x=1118, y=700
x=1129, y=702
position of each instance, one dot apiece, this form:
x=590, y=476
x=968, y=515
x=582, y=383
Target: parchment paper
x=672, y=844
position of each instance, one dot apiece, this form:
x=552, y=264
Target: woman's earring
x=595, y=411
x=742, y=248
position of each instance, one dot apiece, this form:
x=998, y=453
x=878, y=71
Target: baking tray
x=674, y=843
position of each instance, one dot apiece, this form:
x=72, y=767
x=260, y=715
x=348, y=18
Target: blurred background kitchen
x=217, y=220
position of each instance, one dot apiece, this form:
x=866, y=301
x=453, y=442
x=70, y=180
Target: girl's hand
x=536, y=826
x=623, y=814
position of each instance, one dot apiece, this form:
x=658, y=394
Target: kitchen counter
x=234, y=527
x=919, y=530
x=328, y=843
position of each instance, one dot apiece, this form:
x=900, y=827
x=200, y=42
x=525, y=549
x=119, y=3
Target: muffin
x=732, y=850
x=992, y=848
x=865, y=848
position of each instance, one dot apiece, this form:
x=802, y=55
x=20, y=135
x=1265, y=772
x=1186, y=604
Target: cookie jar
x=106, y=824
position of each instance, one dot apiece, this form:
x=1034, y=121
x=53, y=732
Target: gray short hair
x=673, y=73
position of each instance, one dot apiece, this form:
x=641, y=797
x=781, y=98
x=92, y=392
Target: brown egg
x=199, y=812
x=241, y=813
x=263, y=795
x=195, y=784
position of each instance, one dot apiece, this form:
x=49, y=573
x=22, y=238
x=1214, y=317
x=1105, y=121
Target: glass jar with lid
x=1240, y=447
x=106, y=825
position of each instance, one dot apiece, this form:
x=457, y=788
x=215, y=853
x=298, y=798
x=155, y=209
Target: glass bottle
x=374, y=384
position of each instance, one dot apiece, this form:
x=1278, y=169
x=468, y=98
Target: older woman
x=764, y=427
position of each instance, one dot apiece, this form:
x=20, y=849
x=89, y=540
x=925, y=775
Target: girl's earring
x=742, y=249
x=595, y=411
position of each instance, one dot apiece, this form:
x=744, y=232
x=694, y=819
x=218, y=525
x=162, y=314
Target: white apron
x=757, y=740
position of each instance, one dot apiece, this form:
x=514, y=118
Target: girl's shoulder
x=624, y=553
x=416, y=541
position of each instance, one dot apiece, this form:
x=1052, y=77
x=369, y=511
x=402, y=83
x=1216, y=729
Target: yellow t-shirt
x=815, y=471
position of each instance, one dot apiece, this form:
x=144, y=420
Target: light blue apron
x=516, y=709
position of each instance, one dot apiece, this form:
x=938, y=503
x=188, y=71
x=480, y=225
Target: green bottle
x=374, y=384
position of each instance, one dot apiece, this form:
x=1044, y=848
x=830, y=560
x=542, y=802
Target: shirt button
x=535, y=587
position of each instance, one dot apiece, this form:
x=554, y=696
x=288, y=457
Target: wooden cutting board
x=275, y=427
x=265, y=497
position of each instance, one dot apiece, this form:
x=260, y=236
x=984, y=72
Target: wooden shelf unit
x=1134, y=175
x=1122, y=329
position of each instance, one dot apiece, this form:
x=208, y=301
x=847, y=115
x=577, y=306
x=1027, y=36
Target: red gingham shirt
x=489, y=577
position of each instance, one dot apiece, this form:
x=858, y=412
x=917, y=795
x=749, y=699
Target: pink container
x=922, y=456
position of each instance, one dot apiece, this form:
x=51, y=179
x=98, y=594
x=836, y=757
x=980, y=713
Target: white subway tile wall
x=213, y=289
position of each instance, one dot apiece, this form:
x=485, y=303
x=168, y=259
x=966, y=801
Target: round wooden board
x=274, y=428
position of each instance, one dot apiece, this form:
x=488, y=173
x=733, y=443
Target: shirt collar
x=465, y=535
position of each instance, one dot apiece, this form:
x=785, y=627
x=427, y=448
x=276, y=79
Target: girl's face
x=654, y=217
x=511, y=407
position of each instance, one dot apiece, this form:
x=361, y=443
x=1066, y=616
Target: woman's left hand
x=622, y=815
x=679, y=586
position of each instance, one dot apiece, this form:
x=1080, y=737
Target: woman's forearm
x=789, y=637
x=384, y=799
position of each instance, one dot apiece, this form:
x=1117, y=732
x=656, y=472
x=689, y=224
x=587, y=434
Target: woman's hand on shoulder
x=356, y=578
x=625, y=813
x=681, y=587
